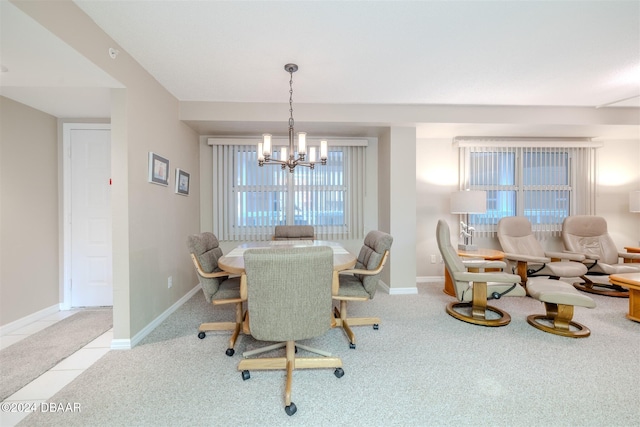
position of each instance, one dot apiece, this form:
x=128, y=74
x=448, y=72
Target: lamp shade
x=634, y=201
x=469, y=202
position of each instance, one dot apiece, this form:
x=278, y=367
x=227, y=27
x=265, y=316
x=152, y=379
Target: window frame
x=579, y=180
x=226, y=189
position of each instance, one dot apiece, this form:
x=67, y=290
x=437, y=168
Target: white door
x=91, y=259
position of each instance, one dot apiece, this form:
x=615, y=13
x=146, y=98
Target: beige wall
x=150, y=222
x=28, y=211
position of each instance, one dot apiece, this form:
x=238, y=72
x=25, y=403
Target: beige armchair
x=294, y=232
x=217, y=286
x=361, y=283
x=588, y=235
x=522, y=248
x=288, y=294
x=473, y=289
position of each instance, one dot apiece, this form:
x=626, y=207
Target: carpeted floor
x=29, y=358
x=421, y=368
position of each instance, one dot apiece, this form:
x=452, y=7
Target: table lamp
x=634, y=201
x=465, y=203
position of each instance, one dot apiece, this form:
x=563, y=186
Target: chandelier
x=288, y=154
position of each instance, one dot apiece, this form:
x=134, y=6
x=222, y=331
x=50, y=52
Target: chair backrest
x=206, y=248
x=588, y=234
x=372, y=253
x=452, y=261
x=289, y=292
x=516, y=237
x=294, y=232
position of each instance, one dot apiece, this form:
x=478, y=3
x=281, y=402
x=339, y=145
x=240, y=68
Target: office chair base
x=236, y=327
x=478, y=316
x=602, y=289
x=290, y=363
x=561, y=329
x=344, y=322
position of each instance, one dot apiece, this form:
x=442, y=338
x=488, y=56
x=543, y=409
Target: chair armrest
x=571, y=256
x=591, y=257
x=482, y=263
x=497, y=276
x=526, y=258
x=204, y=274
x=243, y=287
x=628, y=255
x=377, y=270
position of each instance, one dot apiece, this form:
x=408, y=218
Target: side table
x=633, y=250
x=486, y=254
x=632, y=282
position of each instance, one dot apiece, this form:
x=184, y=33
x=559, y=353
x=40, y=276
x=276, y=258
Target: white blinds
x=249, y=201
x=542, y=180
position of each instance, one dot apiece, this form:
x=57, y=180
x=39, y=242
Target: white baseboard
x=33, y=317
x=397, y=291
x=128, y=344
x=430, y=279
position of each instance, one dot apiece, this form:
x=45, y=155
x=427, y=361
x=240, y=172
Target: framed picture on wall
x=182, y=182
x=158, y=169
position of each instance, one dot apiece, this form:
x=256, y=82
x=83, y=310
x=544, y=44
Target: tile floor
x=44, y=387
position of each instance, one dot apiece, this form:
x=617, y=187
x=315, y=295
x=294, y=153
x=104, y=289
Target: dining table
x=233, y=261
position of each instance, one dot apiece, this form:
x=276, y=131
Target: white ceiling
x=536, y=53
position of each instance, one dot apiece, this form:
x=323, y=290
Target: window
x=544, y=181
x=249, y=201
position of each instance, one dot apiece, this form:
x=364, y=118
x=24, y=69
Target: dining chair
x=294, y=232
x=473, y=289
x=588, y=235
x=218, y=288
x=361, y=282
x=288, y=292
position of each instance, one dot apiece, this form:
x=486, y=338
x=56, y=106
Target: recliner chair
x=217, y=286
x=588, y=235
x=521, y=247
x=473, y=289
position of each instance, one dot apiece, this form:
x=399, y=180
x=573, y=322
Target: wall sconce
x=465, y=203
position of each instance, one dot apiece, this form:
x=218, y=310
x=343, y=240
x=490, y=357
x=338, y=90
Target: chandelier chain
x=291, y=98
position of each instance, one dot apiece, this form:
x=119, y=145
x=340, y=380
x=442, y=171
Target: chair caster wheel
x=339, y=372
x=291, y=409
x=375, y=326
x=201, y=335
x=352, y=346
x=230, y=352
x=245, y=375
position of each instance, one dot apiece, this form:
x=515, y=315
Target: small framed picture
x=158, y=169
x=182, y=182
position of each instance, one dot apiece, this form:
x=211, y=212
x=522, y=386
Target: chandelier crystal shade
x=289, y=157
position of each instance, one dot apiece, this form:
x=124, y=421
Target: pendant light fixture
x=289, y=156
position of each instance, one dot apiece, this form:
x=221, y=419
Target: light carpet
x=421, y=368
x=26, y=360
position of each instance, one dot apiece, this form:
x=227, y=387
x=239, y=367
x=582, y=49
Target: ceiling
x=478, y=53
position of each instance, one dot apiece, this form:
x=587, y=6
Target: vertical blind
x=249, y=201
x=542, y=180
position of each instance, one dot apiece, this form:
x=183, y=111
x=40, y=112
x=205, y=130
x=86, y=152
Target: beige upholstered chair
x=473, y=289
x=361, y=283
x=522, y=248
x=217, y=286
x=294, y=232
x=289, y=299
x=588, y=235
